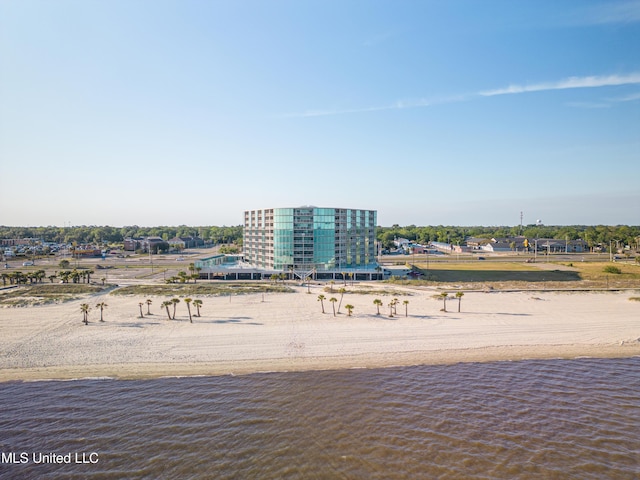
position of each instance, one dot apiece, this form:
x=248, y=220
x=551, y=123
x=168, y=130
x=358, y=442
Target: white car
x=27, y=264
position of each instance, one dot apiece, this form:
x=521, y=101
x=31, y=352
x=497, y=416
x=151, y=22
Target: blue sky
x=431, y=112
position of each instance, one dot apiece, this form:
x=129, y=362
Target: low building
x=132, y=244
x=185, y=242
x=496, y=247
x=401, y=242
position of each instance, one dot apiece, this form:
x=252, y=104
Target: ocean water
x=542, y=419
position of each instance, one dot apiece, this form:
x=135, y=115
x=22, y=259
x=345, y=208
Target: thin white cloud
x=398, y=105
x=568, y=83
x=325, y=113
x=571, y=82
x=627, y=98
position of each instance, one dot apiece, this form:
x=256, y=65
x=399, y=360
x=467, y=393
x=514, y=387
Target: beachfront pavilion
x=323, y=243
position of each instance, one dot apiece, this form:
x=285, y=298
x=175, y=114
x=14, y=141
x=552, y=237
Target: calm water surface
x=532, y=419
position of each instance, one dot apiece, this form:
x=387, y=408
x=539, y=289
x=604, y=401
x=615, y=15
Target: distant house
x=497, y=246
x=401, y=242
x=418, y=249
x=145, y=244
x=12, y=242
x=517, y=244
x=152, y=244
x=477, y=242
x=186, y=242
x=132, y=244
x=558, y=245
x=577, y=246
x=442, y=247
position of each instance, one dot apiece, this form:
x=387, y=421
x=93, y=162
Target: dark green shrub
x=612, y=269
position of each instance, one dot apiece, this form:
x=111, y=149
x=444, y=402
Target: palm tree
x=174, y=301
x=459, y=296
x=101, y=306
x=344, y=277
x=341, y=291
x=308, y=280
x=197, y=303
x=377, y=302
x=148, y=302
x=444, y=296
x=321, y=300
x=52, y=278
x=351, y=277
x=349, y=308
x=84, y=308
x=188, y=302
x=40, y=274
x=166, y=304
x=406, y=307
x=391, y=305
x=333, y=301
x=394, y=302
x=331, y=284
x=140, y=305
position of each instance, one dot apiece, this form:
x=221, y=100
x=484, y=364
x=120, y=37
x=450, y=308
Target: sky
x=189, y=112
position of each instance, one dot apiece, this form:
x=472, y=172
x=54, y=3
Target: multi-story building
x=310, y=238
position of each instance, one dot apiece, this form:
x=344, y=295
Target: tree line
x=115, y=235
x=593, y=235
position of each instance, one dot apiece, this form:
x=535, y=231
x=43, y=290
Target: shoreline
x=151, y=371
x=287, y=332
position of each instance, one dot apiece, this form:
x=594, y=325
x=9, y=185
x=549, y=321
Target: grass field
x=29, y=295
x=214, y=289
x=504, y=275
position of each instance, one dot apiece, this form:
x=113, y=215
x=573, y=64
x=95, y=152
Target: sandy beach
x=288, y=332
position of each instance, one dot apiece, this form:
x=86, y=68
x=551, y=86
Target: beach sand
x=288, y=332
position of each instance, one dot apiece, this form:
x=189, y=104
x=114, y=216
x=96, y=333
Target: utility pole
x=521, y=230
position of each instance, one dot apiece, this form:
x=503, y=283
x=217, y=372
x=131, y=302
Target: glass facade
x=308, y=238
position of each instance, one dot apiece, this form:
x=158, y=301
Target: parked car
x=480, y=258
x=27, y=264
